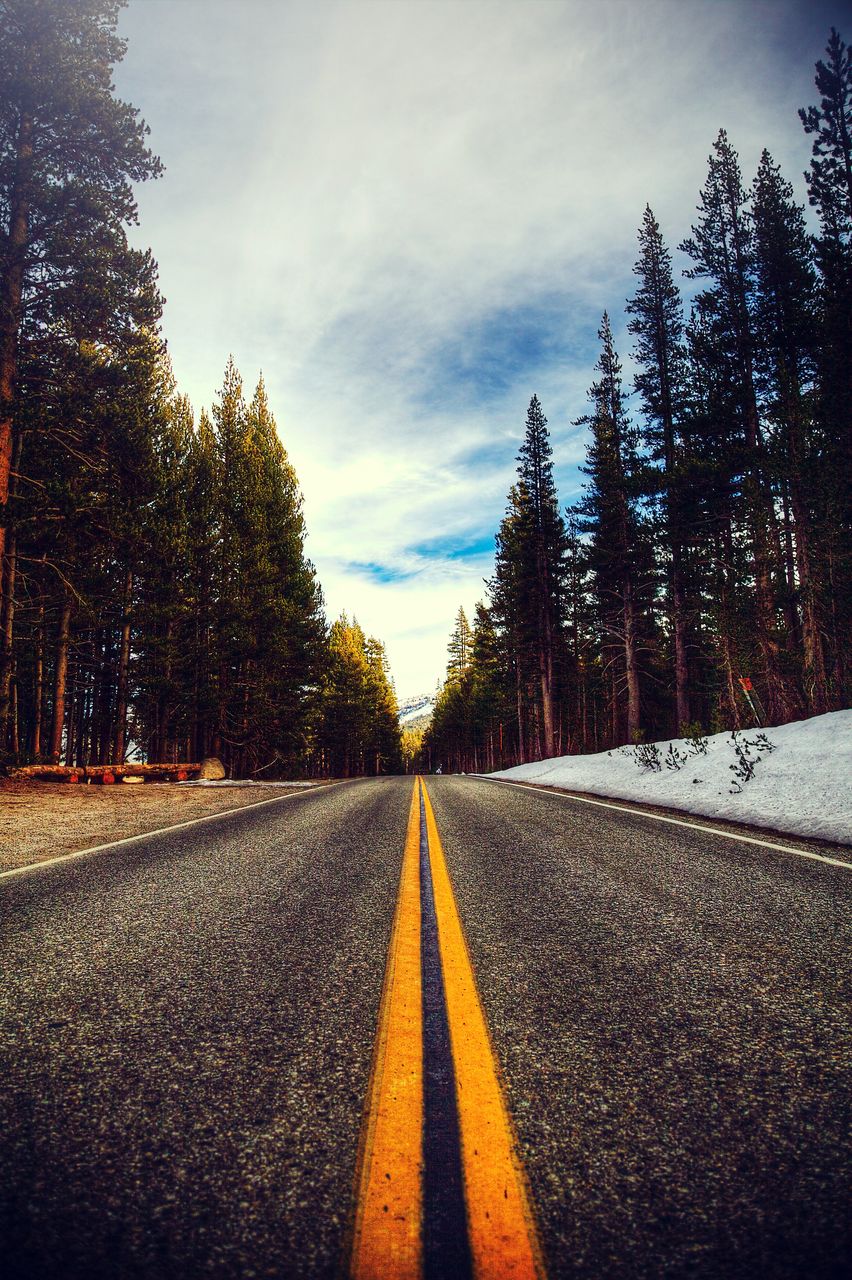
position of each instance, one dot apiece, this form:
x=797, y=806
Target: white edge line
x=160, y=831
x=658, y=817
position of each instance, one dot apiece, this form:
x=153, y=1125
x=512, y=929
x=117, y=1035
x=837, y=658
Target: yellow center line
x=503, y=1237
x=388, y=1234
x=387, y=1237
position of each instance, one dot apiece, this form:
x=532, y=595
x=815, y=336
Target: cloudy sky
x=410, y=214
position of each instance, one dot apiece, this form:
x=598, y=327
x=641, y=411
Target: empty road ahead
x=194, y=1043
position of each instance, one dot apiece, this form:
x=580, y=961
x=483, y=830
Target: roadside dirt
x=40, y=820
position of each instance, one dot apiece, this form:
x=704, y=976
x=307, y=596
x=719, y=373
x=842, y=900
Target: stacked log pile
x=105, y=774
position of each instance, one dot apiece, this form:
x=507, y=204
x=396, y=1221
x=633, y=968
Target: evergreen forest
x=156, y=598
x=702, y=580
x=156, y=594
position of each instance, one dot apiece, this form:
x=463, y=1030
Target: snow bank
x=804, y=786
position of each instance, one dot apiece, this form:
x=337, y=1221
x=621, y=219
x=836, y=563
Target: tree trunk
x=760, y=519
x=7, y=624
x=76, y=750
x=680, y=649
x=119, y=740
x=616, y=653
x=96, y=697
x=55, y=750
x=11, y=293
x=791, y=613
x=16, y=735
x=38, y=689
x=522, y=759
x=728, y=706
x=634, y=718
x=545, y=654
x=103, y=726
x=813, y=650
x=545, y=668
x=8, y=567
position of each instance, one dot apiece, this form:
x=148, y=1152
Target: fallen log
x=104, y=773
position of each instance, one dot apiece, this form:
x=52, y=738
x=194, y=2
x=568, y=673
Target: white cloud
x=356, y=190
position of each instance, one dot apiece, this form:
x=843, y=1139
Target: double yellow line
x=389, y=1224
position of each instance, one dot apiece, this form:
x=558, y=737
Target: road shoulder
x=829, y=850
x=43, y=820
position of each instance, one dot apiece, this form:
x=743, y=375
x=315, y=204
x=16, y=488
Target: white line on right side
x=675, y=822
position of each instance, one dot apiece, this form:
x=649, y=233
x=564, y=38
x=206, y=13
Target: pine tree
x=545, y=547
x=68, y=153
x=358, y=729
x=459, y=648
x=490, y=709
x=830, y=192
x=722, y=249
x=657, y=325
x=78, y=316
x=453, y=735
x=720, y=564
x=830, y=176
x=785, y=318
x=507, y=593
x=617, y=552
x=527, y=590
x=582, y=629
x=384, y=750
x=88, y=448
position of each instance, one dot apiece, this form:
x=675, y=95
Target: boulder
x=212, y=770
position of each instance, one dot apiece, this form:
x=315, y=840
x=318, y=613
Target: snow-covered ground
x=416, y=708
x=803, y=786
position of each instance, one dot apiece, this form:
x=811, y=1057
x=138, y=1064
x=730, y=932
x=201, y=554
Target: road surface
x=189, y=1021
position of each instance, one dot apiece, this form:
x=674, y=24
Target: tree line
x=156, y=596
x=703, y=577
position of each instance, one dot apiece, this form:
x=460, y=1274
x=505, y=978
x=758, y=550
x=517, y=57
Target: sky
x=409, y=215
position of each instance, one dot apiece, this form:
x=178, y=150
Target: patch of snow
x=414, y=708
x=803, y=787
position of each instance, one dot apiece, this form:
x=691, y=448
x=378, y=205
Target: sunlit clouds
x=410, y=217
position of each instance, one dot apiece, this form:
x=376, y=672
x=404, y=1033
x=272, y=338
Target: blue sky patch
x=380, y=572
x=454, y=547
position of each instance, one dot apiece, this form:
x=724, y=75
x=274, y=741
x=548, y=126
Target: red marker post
x=747, y=686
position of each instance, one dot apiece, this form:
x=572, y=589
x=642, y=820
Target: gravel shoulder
x=40, y=820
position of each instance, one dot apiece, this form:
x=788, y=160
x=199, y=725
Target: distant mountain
x=417, y=709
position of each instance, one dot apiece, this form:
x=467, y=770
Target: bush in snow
x=647, y=756
x=675, y=759
x=744, y=767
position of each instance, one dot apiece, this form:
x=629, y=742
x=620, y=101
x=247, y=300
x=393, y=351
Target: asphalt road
x=187, y=1027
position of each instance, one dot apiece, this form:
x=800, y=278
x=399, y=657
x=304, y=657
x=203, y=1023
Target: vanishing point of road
x=382, y=1029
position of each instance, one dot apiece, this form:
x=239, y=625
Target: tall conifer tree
x=657, y=324
x=69, y=150
x=723, y=253
x=785, y=318
x=530, y=572
x=830, y=191
x=459, y=648
x=612, y=522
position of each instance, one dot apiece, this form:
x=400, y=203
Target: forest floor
x=40, y=820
